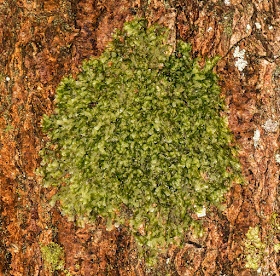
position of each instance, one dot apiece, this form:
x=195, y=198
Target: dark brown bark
x=42, y=41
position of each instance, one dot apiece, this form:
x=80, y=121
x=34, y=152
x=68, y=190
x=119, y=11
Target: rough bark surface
x=42, y=41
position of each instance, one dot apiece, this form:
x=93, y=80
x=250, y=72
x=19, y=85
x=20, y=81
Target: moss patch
x=53, y=257
x=138, y=138
x=257, y=249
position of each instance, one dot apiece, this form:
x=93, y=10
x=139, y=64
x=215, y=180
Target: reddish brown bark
x=42, y=41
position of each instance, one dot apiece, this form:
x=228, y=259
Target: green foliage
x=53, y=256
x=138, y=138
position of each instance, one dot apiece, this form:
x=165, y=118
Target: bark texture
x=42, y=41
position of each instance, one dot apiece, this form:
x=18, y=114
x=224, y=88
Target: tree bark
x=43, y=41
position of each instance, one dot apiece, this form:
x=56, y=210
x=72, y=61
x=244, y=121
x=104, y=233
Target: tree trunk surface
x=43, y=41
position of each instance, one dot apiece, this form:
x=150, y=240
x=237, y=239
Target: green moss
x=256, y=248
x=227, y=22
x=53, y=257
x=228, y=30
x=138, y=138
x=8, y=128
